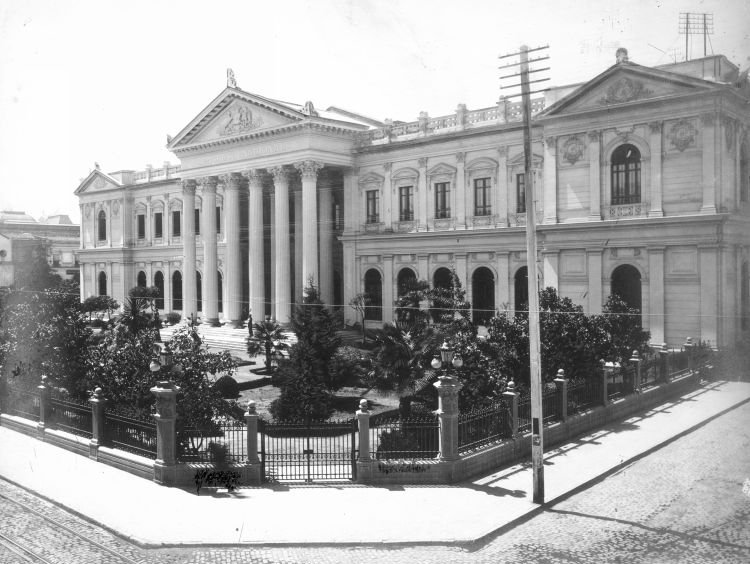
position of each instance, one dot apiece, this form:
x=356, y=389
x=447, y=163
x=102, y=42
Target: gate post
x=605, y=379
x=562, y=392
x=165, y=416
x=97, y=402
x=251, y=420
x=43, y=408
x=447, y=412
x=363, y=423
x=510, y=396
x=637, y=360
x=663, y=359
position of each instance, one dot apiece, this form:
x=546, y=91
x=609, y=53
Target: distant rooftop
x=8, y=216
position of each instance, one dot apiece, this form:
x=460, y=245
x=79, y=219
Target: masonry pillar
x=595, y=181
x=550, y=180
x=253, y=462
x=98, y=437
x=550, y=268
x=189, y=295
x=233, y=271
x=326, y=237
x=165, y=416
x=447, y=412
x=282, y=264
x=363, y=425
x=594, y=260
x=655, y=209
x=255, y=244
x=562, y=393
x=511, y=399
x=309, y=172
x=210, y=259
x=710, y=172
x=656, y=293
x=44, y=396
x=709, y=296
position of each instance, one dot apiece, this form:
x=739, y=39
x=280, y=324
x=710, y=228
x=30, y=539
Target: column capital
x=208, y=183
x=188, y=186
x=549, y=141
x=502, y=152
x=387, y=167
x=254, y=176
x=422, y=162
x=308, y=169
x=280, y=173
x=708, y=119
x=655, y=126
x=460, y=156
x=594, y=135
x=231, y=181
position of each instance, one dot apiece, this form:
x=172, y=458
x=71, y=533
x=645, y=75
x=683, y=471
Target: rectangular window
x=218, y=219
x=442, y=200
x=157, y=225
x=176, y=231
x=197, y=222
x=521, y=193
x=406, y=203
x=482, y=205
x=141, y=219
x=373, y=206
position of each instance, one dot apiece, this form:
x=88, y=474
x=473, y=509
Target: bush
x=227, y=387
x=98, y=323
x=172, y=318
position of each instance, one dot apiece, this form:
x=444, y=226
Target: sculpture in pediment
x=240, y=119
x=625, y=90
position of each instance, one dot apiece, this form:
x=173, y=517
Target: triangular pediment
x=232, y=114
x=626, y=84
x=97, y=181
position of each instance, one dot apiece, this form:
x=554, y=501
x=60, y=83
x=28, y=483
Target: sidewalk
x=154, y=515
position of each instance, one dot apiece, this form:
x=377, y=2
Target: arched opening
x=159, y=283
x=102, y=284
x=141, y=279
x=102, y=226
x=220, y=291
x=521, y=289
x=482, y=295
x=177, y=291
x=442, y=279
x=405, y=280
x=198, y=291
x=374, y=289
x=745, y=296
x=626, y=175
x=626, y=283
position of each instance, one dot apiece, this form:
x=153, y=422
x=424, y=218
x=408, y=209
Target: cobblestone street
x=687, y=502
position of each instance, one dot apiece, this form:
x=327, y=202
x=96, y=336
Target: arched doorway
x=374, y=289
x=405, y=281
x=141, y=279
x=482, y=295
x=521, y=289
x=177, y=292
x=102, y=284
x=198, y=291
x=626, y=283
x=159, y=283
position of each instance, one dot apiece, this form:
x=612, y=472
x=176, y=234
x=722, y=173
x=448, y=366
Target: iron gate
x=311, y=451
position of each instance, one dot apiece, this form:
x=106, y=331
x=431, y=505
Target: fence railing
x=70, y=416
x=223, y=440
x=551, y=405
x=584, y=394
x=131, y=433
x=524, y=414
x=483, y=427
x=22, y=403
x=413, y=438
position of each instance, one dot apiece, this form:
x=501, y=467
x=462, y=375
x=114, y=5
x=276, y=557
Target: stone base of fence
x=183, y=475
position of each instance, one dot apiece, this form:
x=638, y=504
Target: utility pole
x=537, y=428
x=691, y=23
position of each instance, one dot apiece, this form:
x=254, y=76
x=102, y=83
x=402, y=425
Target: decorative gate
x=312, y=451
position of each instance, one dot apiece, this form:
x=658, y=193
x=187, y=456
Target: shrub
x=227, y=387
x=172, y=318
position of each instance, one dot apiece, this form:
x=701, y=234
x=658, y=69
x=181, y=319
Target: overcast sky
x=84, y=81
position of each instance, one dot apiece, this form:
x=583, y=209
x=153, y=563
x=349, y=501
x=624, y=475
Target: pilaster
x=550, y=180
x=422, y=194
x=656, y=196
x=656, y=293
x=388, y=284
x=595, y=178
x=551, y=260
x=461, y=192
x=502, y=187
x=503, y=280
x=594, y=265
x=709, y=280
x=708, y=122
x=387, y=214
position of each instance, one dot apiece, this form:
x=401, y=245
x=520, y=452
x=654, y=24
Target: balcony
x=623, y=211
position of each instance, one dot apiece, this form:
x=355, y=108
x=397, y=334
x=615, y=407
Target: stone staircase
x=223, y=337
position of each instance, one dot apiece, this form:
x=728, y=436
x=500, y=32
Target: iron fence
x=524, y=414
x=483, y=427
x=584, y=394
x=71, y=416
x=651, y=371
x=550, y=405
x=223, y=441
x=130, y=433
x=400, y=439
x=22, y=403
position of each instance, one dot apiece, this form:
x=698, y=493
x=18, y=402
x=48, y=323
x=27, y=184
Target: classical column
x=282, y=271
x=255, y=244
x=422, y=212
x=272, y=231
x=326, y=237
x=298, y=283
x=461, y=191
x=656, y=294
x=594, y=259
x=388, y=294
x=710, y=171
x=595, y=181
x=309, y=172
x=655, y=209
x=233, y=270
x=208, y=233
x=550, y=180
x=189, y=295
x=502, y=187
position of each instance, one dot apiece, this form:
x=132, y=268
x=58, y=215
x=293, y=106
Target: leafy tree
x=139, y=310
x=621, y=331
x=267, y=337
x=448, y=304
x=408, y=305
x=359, y=303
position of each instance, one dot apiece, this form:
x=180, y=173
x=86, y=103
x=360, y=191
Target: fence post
x=363, y=424
x=43, y=408
x=447, y=412
x=98, y=429
x=664, y=362
x=637, y=360
x=510, y=396
x=165, y=416
x=562, y=393
x=605, y=380
x=253, y=462
x=689, y=349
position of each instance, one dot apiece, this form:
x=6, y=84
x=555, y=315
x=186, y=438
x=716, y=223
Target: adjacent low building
x=641, y=175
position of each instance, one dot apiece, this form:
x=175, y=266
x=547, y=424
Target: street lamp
x=163, y=358
x=447, y=357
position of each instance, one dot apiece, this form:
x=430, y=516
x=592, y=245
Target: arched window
x=198, y=291
x=101, y=223
x=141, y=280
x=442, y=278
x=405, y=280
x=177, y=292
x=521, y=287
x=482, y=295
x=102, y=284
x=745, y=296
x=374, y=289
x=220, y=290
x=626, y=175
x=159, y=283
x=626, y=283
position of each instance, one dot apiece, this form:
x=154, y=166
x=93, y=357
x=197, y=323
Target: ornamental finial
x=231, y=81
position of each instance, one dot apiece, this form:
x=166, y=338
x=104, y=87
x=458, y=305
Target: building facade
x=642, y=185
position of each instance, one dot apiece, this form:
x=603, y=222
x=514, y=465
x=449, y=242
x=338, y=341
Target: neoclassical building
x=642, y=181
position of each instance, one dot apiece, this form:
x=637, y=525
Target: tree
x=139, y=310
x=359, y=303
x=448, y=304
x=622, y=332
x=267, y=337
